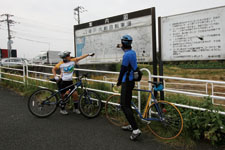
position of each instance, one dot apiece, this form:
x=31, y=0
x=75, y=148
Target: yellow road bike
x=163, y=118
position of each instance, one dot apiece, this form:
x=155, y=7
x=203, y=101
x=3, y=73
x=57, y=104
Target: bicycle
x=163, y=118
x=44, y=102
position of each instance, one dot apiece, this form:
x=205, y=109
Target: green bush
x=199, y=64
x=202, y=125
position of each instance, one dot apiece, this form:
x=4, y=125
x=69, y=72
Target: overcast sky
x=48, y=24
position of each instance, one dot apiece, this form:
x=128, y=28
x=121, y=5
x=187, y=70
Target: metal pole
x=78, y=10
x=139, y=87
x=154, y=53
x=75, y=47
x=27, y=72
x=78, y=14
x=24, y=75
x=0, y=73
x=9, y=36
x=139, y=97
x=160, y=57
x=212, y=93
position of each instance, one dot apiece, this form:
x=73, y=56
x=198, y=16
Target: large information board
x=196, y=35
x=102, y=37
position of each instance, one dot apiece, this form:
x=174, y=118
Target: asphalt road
x=19, y=130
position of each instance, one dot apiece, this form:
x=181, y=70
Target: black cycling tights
x=125, y=101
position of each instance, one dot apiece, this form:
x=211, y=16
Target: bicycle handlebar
x=83, y=76
x=79, y=78
x=155, y=83
x=114, y=90
x=158, y=86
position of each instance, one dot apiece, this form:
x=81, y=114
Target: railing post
x=212, y=93
x=27, y=75
x=24, y=75
x=139, y=86
x=139, y=97
x=0, y=73
x=164, y=83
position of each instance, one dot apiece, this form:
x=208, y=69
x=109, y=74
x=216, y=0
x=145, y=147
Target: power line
x=48, y=43
x=33, y=26
x=30, y=40
x=37, y=36
x=29, y=35
x=41, y=24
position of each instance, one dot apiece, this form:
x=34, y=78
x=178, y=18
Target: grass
x=27, y=88
x=211, y=70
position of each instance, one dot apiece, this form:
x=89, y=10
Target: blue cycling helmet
x=126, y=41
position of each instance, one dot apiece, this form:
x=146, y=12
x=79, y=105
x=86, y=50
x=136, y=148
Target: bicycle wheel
x=169, y=124
x=90, y=104
x=114, y=112
x=42, y=104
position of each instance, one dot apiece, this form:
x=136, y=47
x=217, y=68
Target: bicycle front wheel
x=90, y=104
x=167, y=120
x=114, y=112
x=42, y=103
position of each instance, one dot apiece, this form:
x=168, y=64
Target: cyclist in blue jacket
x=129, y=64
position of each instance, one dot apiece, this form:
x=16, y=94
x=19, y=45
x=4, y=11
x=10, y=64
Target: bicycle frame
x=66, y=99
x=76, y=85
x=163, y=119
x=145, y=114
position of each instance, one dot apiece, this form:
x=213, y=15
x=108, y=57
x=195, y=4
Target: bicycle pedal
x=62, y=104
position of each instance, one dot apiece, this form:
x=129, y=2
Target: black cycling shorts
x=64, y=84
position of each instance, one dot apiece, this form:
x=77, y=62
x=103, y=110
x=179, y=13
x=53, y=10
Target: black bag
x=137, y=75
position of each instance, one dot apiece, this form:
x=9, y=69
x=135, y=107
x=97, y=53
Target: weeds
x=201, y=125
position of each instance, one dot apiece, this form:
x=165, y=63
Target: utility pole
x=9, y=23
x=77, y=11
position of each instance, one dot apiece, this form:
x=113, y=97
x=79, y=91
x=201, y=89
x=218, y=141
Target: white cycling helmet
x=64, y=54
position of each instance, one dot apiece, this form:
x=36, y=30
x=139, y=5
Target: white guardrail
x=6, y=72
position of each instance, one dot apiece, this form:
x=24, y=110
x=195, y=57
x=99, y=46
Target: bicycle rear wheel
x=90, y=104
x=114, y=112
x=42, y=103
x=169, y=124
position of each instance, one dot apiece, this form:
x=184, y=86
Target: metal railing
x=8, y=71
x=202, y=82
x=179, y=81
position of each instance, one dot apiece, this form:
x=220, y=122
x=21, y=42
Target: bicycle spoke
x=41, y=103
x=90, y=104
x=170, y=122
x=113, y=111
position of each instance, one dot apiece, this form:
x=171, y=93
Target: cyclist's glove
x=56, y=78
x=91, y=54
x=118, y=83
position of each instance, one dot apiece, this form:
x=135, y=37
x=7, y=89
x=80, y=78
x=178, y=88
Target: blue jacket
x=129, y=64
